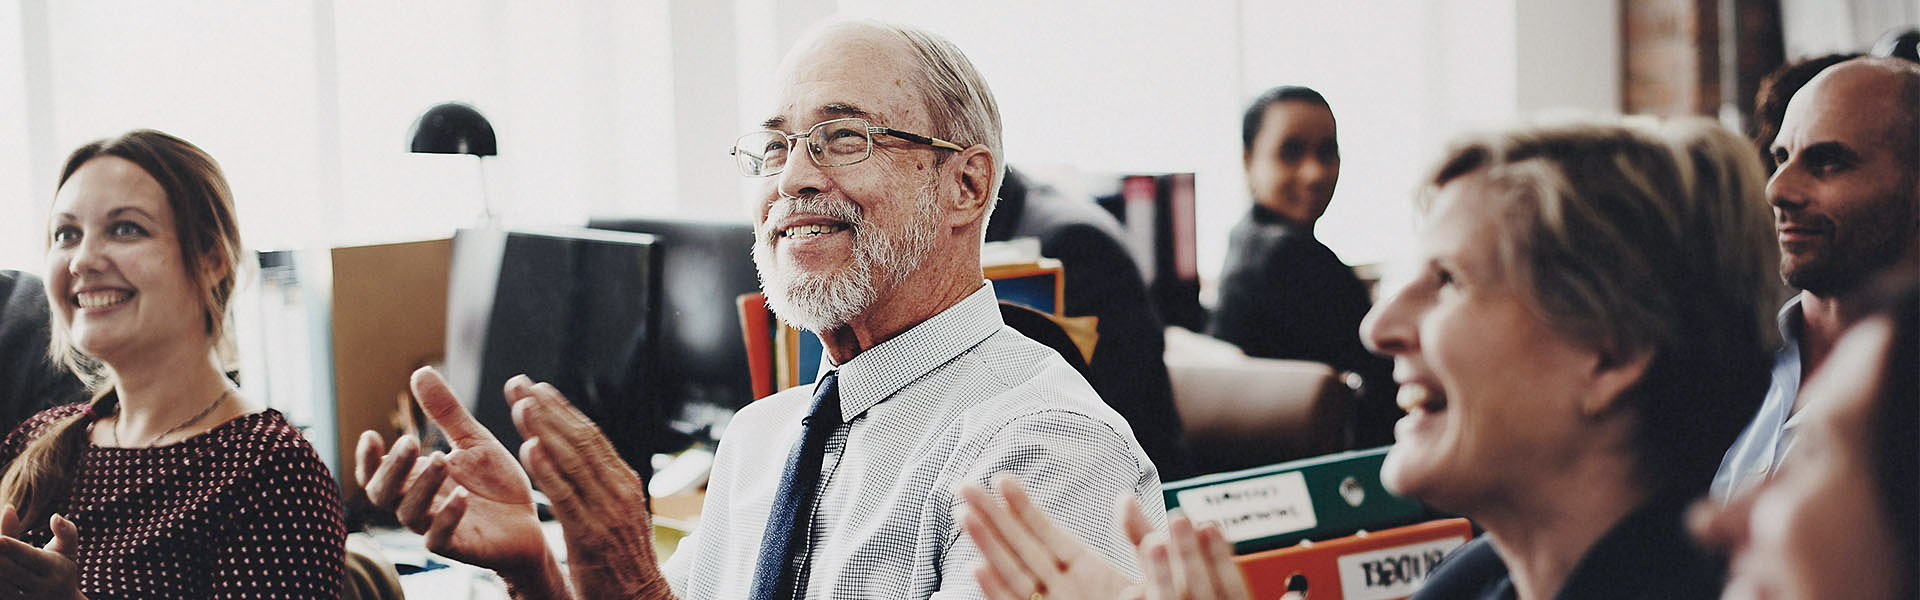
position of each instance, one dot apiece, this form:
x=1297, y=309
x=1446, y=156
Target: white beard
x=819, y=302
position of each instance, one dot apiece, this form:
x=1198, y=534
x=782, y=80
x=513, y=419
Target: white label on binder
x=1393, y=572
x=1253, y=508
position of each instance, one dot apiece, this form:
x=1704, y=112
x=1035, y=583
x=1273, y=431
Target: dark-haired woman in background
x=168, y=483
x=1283, y=294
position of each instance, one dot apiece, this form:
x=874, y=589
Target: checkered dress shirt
x=957, y=398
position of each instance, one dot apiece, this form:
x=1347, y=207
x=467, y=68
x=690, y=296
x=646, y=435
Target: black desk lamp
x=455, y=128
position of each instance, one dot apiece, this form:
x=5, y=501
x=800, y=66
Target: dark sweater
x=1283, y=294
x=245, y=510
x=1645, y=555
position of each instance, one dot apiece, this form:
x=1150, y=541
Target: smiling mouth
x=1419, y=397
x=812, y=230
x=101, y=299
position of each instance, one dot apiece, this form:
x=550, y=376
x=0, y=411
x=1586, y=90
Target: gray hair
x=957, y=98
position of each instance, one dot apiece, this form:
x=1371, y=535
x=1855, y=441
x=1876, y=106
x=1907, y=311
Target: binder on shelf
x=756, y=326
x=1037, y=284
x=1186, y=265
x=1157, y=213
x=1137, y=213
x=1379, y=565
x=1308, y=499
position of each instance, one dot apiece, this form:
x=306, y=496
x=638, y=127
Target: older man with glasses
x=846, y=489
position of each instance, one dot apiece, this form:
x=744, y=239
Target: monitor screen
x=574, y=308
x=701, y=360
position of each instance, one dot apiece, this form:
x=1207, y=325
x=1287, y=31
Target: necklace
x=114, y=431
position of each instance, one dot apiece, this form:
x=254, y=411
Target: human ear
x=1614, y=373
x=215, y=264
x=975, y=173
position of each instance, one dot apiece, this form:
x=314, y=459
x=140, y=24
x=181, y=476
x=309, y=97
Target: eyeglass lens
x=835, y=143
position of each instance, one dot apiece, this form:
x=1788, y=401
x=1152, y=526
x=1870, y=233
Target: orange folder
x=1381, y=565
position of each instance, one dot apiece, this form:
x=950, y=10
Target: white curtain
x=1815, y=27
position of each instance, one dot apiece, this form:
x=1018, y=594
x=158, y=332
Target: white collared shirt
x=1766, y=440
x=958, y=398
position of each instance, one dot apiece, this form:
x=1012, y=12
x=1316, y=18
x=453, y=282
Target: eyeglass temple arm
x=917, y=138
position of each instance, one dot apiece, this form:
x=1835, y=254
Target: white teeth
x=805, y=231
x=1413, y=396
x=100, y=299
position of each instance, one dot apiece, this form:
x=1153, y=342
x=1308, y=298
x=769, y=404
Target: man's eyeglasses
x=835, y=143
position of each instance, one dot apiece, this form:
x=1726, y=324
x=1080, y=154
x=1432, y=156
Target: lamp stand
x=489, y=218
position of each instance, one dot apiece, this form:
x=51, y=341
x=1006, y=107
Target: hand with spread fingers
x=1028, y=557
x=596, y=496
x=1190, y=564
x=29, y=572
x=474, y=504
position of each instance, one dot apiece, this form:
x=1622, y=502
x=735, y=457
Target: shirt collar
x=884, y=369
x=1789, y=320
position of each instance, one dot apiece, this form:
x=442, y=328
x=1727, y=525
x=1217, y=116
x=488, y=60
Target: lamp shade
x=453, y=128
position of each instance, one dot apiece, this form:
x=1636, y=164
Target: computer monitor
x=700, y=365
x=575, y=308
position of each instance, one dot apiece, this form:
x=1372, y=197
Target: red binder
x=756, y=324
x=1381, y=565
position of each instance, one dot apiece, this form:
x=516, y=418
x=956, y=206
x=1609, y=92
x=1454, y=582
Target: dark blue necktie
x=791, y=519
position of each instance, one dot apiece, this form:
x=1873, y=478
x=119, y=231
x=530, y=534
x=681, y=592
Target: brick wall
x=1672, y=63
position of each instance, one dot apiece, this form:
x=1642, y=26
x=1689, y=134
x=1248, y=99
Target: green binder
x=1279, y=505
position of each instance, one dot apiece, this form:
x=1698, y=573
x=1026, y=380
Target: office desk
x=448, y=579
